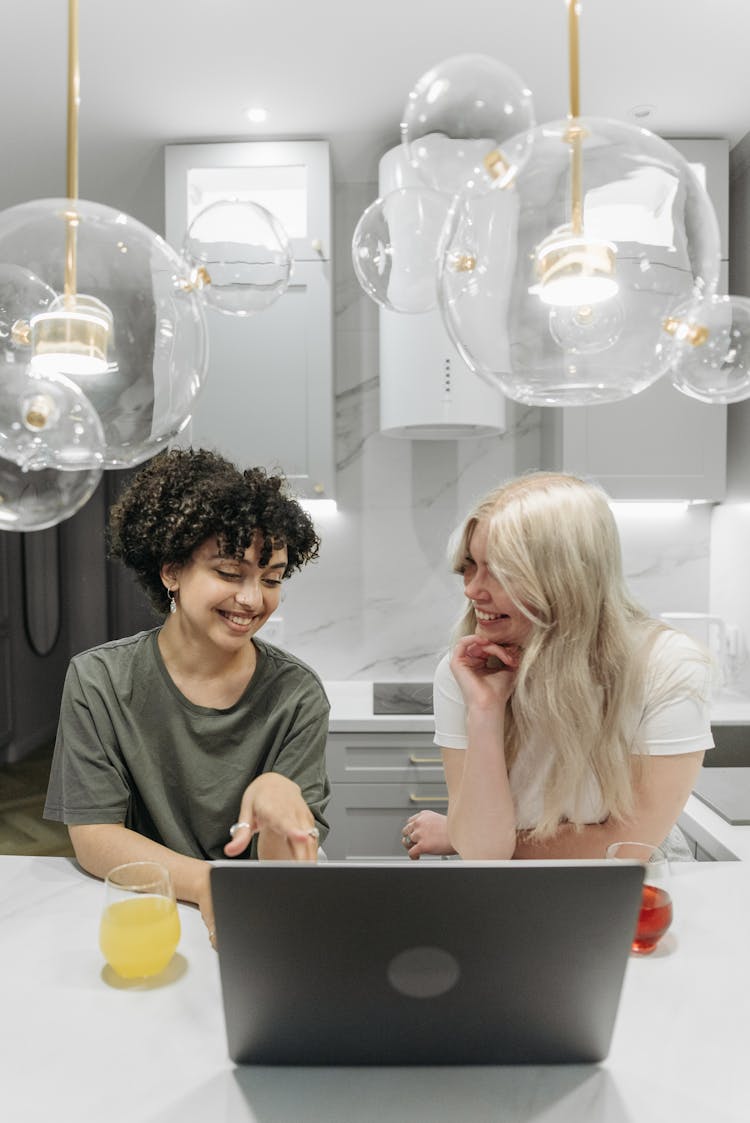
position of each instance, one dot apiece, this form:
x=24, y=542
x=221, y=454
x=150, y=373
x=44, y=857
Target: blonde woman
x=567, y=718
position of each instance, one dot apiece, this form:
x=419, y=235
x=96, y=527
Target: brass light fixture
x=73, y=334
x=574, y=269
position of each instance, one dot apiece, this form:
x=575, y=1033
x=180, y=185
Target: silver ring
x=406, y=840
x=236, y=827
x=314, y=832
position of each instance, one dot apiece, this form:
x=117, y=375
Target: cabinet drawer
x=374, y=757
x=366, y=820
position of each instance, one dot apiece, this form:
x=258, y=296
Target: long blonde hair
x=554, y=546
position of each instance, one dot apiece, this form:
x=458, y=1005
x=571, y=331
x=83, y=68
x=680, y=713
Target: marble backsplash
x=381, y=601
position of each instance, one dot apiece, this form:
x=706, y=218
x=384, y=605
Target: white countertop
x=735, y=839
x=351, y=710
x=77, y=1050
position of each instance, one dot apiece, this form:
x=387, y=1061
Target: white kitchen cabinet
x=377, y=781
x=660, y=444
x=268, y=396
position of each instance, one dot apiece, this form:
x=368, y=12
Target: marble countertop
x=78, y=1049
x=352, y=710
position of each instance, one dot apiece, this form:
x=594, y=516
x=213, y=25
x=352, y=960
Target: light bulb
x=574, y=270
x=585, y=329
x=71, y=337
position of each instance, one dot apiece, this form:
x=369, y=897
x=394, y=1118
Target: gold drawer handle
x=427, y=798
x=425, y=759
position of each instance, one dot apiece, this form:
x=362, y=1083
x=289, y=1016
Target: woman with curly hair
x=567, y=718
x=196, y=740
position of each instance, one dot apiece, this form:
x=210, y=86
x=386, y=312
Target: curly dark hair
x=183, y=497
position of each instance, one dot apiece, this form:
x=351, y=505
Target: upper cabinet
x=659, y=444
x=268, y=397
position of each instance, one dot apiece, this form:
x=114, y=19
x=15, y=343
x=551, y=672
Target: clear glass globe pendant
x=103, y=339
x=51, y=448
x=132, y=335
x=554, y=315
x=466, y=125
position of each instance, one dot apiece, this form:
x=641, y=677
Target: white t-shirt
x=674, y=719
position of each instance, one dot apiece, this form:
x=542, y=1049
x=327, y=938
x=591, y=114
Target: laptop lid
x=422, y=963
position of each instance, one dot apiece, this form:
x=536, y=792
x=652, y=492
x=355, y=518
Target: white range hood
x=427, y=392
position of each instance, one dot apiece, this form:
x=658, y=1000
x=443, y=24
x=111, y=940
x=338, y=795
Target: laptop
x=440, y=962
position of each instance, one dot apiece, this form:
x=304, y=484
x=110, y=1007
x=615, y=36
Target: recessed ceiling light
x=256, y=114
x=642, y=112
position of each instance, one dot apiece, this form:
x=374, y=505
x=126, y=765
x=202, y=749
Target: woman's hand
x=272, y=805
x=485, y=671
x=426, y=833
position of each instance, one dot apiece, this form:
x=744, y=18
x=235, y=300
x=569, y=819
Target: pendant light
x=573, y=250
x=103, y=343
x=577, y=264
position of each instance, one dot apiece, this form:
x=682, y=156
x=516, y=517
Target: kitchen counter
x=700, y=820
x=77, y=1049
x=352, y=710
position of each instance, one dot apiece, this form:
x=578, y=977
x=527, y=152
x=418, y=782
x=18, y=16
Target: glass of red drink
x=655, y=915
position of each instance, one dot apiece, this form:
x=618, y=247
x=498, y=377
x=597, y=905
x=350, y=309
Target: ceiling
x=164, y=71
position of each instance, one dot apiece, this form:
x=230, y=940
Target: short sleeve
x=450, y=711
x=88, y=783
x=303, y=756
x=676, y=715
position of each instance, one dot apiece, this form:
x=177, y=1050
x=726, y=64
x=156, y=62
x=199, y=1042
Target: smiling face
x=223, y=600
x=497, y=617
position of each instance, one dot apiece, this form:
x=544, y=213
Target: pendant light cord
x=575, y=137
x=74, y=101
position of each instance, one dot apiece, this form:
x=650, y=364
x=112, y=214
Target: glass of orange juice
x=140, y=926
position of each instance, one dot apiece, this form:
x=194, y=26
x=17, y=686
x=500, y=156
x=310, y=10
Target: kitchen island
x=78, y=1048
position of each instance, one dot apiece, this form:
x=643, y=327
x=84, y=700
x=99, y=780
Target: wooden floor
x=22, y=790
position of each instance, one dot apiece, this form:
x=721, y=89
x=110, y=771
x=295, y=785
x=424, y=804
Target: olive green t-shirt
x=132, y=749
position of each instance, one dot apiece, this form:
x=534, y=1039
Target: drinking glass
x=140, y=926
x=655, y=915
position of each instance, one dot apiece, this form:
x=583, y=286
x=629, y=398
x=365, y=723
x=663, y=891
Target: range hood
x=427, y=392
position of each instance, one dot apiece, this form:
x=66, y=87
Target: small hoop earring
x=172, y=601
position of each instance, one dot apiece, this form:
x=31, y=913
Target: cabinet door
x=366, y=819
x=268, y=396
x=383, y=758
x=659, y=444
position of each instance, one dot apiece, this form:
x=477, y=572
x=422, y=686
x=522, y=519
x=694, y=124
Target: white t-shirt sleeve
x=450, y=712
x=676, y=715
